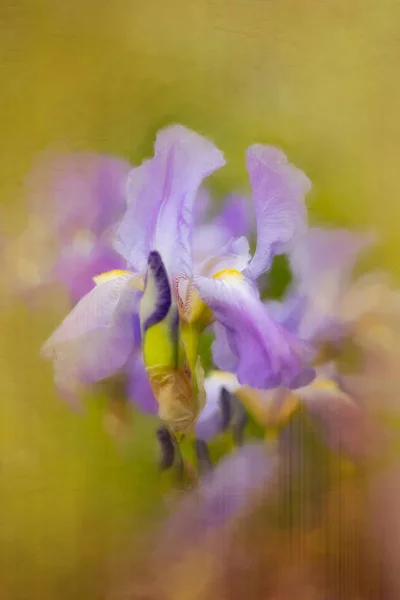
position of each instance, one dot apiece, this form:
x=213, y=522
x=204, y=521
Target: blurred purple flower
x=324, y=306
x=99, y=337
x=236, y=486
x=73, y=201
x=322, y=262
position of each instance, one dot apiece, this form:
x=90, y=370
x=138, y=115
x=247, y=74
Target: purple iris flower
x=324, y=306
x=108, y=327
x=72, y=201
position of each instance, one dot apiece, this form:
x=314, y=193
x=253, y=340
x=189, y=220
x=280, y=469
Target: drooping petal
x=279, y=190
x=161, y=195
x=267, y=356
x=97, y=337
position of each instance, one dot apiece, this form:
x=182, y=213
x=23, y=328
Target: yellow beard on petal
x=198, y=313
x=227, y=274
x=137, y=280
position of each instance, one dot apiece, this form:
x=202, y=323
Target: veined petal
x=161, y=195
x=267, y=356
x=279, y=190
x=96, y=338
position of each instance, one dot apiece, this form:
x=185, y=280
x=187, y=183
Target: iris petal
x=278, y=189
x=267, y=356
x=161, y=195
x=97, y=337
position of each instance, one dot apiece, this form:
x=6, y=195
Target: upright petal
x=97, y=337
x=279, y=190
x=267, y=356
x=161, y=195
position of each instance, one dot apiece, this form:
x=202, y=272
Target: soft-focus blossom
x=230, y=491
x=344, y=424
x=372, y=309
x=324, y=306
x=163, y=303
x=72, y=202
x=352, y=322
x=322, y=263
